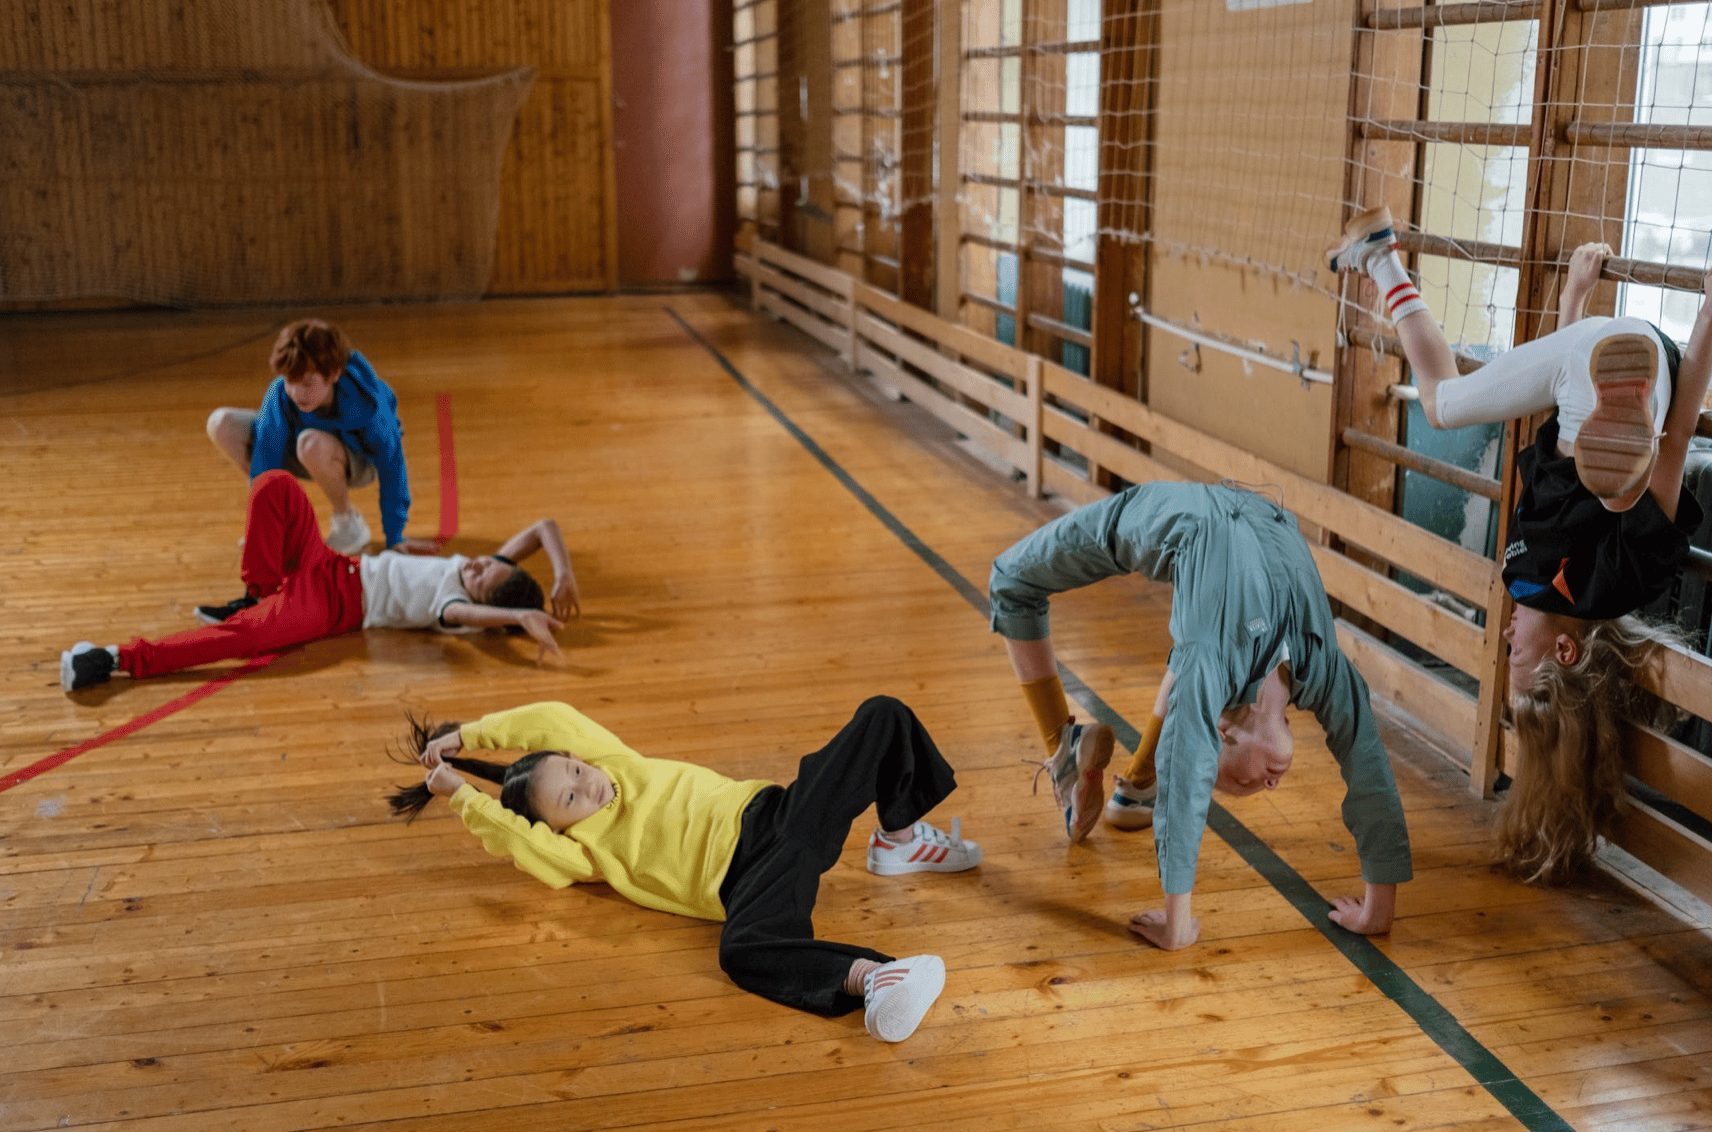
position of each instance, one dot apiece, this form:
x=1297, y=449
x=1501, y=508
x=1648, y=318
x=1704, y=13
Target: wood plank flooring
x=212, y=923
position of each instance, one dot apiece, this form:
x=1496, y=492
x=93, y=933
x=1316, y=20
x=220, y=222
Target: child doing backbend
x=681, y=838
x=1251, y=632
x=1601, y=528
x=297, y=589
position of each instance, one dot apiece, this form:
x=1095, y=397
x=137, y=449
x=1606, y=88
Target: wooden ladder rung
x=1452, y=15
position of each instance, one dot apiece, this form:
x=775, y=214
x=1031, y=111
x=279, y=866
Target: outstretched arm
x=1581, y=277
x=543, y=534
x=542, y=725
x=538, y=624
x=1372, y=811
x=1189, y=750
x=1687, y=401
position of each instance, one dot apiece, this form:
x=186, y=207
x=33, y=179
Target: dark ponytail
x=512, y=778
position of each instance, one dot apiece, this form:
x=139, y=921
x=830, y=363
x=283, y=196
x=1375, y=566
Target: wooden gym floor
x=211, y=923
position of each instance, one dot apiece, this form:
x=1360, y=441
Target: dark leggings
x=793, y=834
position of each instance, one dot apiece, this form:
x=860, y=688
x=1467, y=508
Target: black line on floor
x=148, y=368
x=1393, y=982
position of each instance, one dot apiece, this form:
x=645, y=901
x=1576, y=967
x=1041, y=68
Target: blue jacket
x=364, y=418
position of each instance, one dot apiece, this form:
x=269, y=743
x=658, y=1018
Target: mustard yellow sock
x=1050, y=709
x=1141, y=773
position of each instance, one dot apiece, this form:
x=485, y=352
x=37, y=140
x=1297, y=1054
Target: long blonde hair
x=1570, y=788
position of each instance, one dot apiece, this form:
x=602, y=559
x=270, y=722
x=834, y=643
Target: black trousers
x=793, y=834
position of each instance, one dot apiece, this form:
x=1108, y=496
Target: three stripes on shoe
x=925, y=853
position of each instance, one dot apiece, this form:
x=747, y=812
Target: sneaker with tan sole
x=1078, y=771
x=1364, y=232
x=1130, y=807
x=1616, y=447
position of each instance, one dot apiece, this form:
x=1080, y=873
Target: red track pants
x=306, y=591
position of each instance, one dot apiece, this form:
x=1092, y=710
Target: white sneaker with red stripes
x=899, y=994
x=929, y=851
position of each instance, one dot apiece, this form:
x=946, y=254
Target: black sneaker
x=84, y=665
x=214, y=614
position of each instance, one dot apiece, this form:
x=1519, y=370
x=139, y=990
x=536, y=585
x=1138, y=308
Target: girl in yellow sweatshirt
x=682, y=838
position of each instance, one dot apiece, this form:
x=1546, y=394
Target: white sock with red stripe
x=1395, y=287
x=859, y=970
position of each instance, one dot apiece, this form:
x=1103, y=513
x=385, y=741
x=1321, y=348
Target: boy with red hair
x=328, y=418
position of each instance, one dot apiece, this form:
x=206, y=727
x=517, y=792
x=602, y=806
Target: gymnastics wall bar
x=1617, y=268
x=1034, y=252
x=1608, y=135
x=1296, y=368
x=1472, y=482
x=1014, y=405
x=1699, y=561
x=1452, y=15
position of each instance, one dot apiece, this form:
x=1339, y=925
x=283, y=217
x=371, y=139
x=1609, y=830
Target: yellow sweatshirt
x=665, y=840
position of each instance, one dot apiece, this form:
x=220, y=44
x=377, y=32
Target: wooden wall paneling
x=744, y=33
x=1203, y=197
x=948, y=213
x=979, y=145
x=768, y=106
x=1394, y=678
x=1040, y=286
x=882, y=144
x=760, y=96
x=848, y=137
x=869, y=96
x=789, y=160
x=920, y=109
x=1586, y=72
x=1129, y=44
x=1683, y=677
x=608, y=155
x=557, y=224
x=1386, y=84
x=222, y=148
x=1430, y=626
x=149, y=139
x=813, y=185
x=1673, y=849
x=960, y=340
x=1674, y=769
x=83, y=38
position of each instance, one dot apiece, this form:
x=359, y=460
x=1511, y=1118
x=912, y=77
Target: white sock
x=1395, y=288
